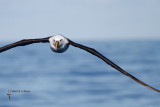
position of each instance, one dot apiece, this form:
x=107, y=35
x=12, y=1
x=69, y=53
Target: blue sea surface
x=37, y=77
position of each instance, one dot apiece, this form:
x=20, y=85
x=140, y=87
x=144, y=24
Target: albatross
x=59, y=44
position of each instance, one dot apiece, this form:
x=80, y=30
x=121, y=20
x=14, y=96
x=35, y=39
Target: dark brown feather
x=23, y=43
x=94, y=52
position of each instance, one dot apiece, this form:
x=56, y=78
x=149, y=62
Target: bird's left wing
x=23, y=43
x=94, y=52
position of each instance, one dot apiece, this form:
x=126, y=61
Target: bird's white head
x=58, y=43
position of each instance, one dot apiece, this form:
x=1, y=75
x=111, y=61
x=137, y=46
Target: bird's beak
x=57, y=43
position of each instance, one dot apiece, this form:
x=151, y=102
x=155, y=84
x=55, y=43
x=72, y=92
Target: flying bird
x=59, y=44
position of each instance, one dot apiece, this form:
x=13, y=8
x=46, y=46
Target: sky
x=80, y=19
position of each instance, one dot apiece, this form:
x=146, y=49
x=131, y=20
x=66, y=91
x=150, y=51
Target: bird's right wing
x=94, y=52
x=23, y=43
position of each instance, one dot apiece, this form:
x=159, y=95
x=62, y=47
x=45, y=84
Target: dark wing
x=94, y=52
x=23, y=43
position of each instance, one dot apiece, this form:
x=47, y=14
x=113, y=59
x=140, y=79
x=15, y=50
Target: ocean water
x=37, y=77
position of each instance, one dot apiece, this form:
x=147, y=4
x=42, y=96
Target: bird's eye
x=60, y=39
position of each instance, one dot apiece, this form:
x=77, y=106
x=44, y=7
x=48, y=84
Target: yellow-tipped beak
x=57, y=44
